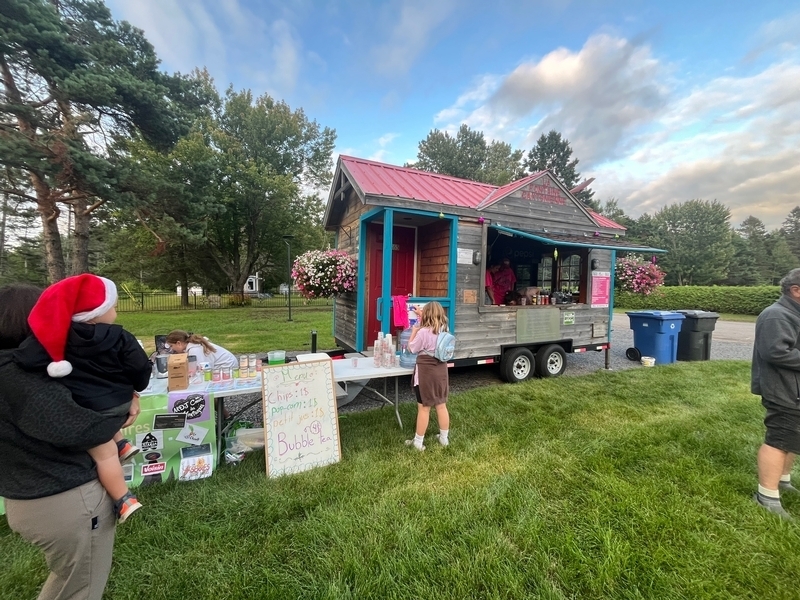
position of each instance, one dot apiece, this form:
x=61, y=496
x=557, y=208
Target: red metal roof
x=388, y=180
x=605, y=221
x=379, y=179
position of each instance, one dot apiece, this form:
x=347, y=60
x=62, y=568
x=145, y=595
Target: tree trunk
x=3, y=233
x=46, y=205
x=80, y=238
x=53, y=251
x=184, y=280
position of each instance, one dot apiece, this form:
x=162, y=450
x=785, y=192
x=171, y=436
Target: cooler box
x=655, y=333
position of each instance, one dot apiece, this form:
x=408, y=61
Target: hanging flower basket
x=636, y=275
x=324, y=273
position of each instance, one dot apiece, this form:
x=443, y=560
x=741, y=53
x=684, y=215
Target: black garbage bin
x=694, y=339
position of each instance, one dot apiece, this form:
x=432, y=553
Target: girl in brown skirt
x=430, y=380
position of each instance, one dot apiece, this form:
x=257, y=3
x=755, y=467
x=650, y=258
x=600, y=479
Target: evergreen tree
x=781, y=259
x=754, y=232
x=743, y=269
x=73, y=78
x=791, y=230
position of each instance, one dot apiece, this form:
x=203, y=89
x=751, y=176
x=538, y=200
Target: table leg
x=220, y=406
x=383, y=397
x=397, y=403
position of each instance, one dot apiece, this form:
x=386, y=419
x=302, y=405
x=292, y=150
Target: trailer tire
x=517, y=365
x=551, y=361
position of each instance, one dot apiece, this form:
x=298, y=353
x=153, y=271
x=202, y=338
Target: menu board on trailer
x=301, y=426
x=601, y=289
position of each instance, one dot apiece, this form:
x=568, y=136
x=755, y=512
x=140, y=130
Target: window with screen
x=544, y=275
x=570, y=273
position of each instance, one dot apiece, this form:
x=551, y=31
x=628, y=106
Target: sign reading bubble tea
x=301, y=426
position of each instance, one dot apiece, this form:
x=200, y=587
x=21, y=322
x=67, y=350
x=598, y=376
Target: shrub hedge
x=722, y=299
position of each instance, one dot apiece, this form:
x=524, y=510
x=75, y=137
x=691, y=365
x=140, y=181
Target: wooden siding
x=348, y=241
x=482, y=331
x=433, y=259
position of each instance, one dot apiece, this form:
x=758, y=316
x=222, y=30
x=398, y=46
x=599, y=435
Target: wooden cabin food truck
x=418, y=237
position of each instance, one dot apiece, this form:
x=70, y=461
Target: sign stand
x=301, y=425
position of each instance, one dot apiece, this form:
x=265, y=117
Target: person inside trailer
x=489, y=283
x=504, y=280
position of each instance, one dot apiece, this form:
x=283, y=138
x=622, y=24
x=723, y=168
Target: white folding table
x=343, y=373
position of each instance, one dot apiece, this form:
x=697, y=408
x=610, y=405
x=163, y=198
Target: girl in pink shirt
x=430, y=381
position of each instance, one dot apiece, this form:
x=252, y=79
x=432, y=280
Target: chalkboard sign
x=301, y=427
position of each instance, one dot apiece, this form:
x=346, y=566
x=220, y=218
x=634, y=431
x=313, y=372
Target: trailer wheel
x=551, y=361
x=517, y=365
x=633, y=354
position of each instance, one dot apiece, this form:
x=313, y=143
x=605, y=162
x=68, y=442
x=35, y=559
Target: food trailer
x=418, y=237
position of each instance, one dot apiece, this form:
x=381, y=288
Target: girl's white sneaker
x=411, y=443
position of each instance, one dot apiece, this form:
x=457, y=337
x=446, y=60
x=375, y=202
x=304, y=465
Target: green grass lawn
x=631, y=484
x=239, y=329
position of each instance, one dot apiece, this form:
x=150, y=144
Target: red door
x=403, y=251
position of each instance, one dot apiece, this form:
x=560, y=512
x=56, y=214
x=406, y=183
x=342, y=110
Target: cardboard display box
x=177, y=372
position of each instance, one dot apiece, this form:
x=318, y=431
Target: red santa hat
x=80, y=299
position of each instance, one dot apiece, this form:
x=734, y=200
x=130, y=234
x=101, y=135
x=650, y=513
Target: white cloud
x=183, y=33
x=735, y=138
x=414, y=22
x=782, y=34
x=597, y=97
x=387, y=138
x=221, y=35
x=382, y=152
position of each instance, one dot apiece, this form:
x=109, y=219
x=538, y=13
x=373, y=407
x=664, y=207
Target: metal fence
x=154, y=301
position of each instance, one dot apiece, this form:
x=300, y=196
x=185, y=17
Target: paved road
x=725, y=331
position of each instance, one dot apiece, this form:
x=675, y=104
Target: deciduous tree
x=467, y=155
x=697, y=236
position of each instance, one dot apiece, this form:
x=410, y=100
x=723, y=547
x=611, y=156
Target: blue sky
x=662, y=101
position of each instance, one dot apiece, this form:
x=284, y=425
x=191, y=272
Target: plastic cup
x=355, y=362
x=276, y=357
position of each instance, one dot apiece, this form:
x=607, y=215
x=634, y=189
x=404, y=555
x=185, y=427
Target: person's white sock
x=416, y=442
x=443, y=433
x=767, y=493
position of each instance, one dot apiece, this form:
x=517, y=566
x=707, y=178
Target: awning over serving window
x=558, y=239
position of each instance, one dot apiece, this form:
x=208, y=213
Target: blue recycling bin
x=655, y=333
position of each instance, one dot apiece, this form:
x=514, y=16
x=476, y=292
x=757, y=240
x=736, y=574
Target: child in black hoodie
x=103, y=365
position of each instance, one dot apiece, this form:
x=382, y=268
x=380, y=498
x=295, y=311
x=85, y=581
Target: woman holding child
x=53, y=496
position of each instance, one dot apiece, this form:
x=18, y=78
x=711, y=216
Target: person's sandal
x=126, y=506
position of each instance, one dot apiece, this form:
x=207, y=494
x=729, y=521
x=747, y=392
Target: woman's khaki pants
x=75, y=530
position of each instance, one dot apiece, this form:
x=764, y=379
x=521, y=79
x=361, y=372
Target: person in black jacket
x=52, y=495
x=102, y=365
x=775, y=376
